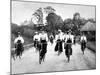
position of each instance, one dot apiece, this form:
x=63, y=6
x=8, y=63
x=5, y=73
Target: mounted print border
x=52, y=37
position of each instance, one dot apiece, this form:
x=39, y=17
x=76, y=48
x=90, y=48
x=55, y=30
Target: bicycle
x=42, y=52
x=68, y=50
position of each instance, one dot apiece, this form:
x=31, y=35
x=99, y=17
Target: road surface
x=29, y=63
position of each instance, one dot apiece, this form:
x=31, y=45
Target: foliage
x=15, y=29
x=76, y=16
x=49, y=10
x=91, y=20
x=54, y=21
x=26, y=31
x=39, y=15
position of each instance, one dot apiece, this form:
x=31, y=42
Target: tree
x=67, y=24
x=39, y=15
x=49, y=10
x=54, y=21
x=76, y=16
x=15, y=29
x=77, y=23
x=91, y=20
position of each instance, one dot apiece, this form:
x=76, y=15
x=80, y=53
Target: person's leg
x=66, y=49
x=34, y=43
x=38, y=46
x=71, y=50
x=66, y=52
x=81, y=46
x=45, y=50
x=56, y=47
x=61, y=47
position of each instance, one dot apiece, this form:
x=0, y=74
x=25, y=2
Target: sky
x=22, y=11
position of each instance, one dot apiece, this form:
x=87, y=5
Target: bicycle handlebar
x=42, y=43
x=68, y=43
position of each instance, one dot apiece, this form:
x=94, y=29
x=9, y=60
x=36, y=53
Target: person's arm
x=33, y=38
x=80, y=39
x=62, y=37
x=72, y=39
x=65, y=39
x=22, y=40
x=46, y=37
x=15, y=41
x=38, y=38
x=85, y=39
x=53, y=36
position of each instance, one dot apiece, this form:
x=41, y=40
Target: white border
x=5, y=36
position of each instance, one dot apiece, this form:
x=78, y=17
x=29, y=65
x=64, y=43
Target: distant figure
x=51, y=37
x=83, y=41
x=74, y=39
x=19, y=45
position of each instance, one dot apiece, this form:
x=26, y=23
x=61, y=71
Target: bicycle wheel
x=83, y=48
x=39, y=58
x=69, y=52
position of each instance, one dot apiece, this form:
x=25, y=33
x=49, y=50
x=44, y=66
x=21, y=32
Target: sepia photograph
x=52, y=37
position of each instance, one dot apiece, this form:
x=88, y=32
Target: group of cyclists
x=41, y=40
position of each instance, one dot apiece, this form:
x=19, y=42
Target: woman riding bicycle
x=36, y=40
x=19, y=45
x=43, y=46
x=83, y=41
x=68, y=44
x=51, y=38
x=59, y=40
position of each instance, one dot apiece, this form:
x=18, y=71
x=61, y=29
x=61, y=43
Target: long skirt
x=19, y=49
x=83, y=44
x=68, y=49
x=43, y=48
x=58, y=46
x=74, y=41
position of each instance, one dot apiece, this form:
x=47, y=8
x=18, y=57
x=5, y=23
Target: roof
x=89, y=26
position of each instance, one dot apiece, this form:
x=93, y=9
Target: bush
x=91, y=36
x=28, y=32
x=15, y=29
